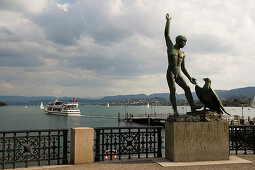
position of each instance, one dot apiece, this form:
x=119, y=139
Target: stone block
x=196, y=141
x=82, y=141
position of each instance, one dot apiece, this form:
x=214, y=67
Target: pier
x=158, y=119
x=149, y=119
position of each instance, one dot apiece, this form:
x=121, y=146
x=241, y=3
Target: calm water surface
x=21, y=118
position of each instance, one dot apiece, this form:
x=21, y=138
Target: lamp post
x=242, y=111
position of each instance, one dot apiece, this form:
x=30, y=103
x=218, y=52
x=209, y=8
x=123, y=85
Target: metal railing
x=242, y=138
x=119, y=142
x=33, y=147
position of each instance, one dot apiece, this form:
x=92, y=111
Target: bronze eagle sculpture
x=209, y=97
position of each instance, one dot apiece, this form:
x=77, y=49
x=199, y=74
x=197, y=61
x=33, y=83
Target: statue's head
x=181, y=40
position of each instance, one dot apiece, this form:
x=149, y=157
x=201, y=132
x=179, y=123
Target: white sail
x=41, y=106
x=108, y=104
x=148, y=105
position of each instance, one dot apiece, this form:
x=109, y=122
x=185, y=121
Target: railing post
x=111, y=145
x=120, y=151
x=139, y=141
x=3, y=153
x=253, y=134
x=149, y=121
x=97, y=157
x=65, y=161
x=14, y=150
x=159, y=154
x=245, y=140
x=230, y=137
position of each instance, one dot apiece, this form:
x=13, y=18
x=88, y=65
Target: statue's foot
x=193, y=110
x=191, y=113
x=176, y=113
x=198, y=107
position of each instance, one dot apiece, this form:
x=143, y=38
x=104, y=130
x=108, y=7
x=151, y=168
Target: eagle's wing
x=199, y=92
x=216, y=102
x=203, y=96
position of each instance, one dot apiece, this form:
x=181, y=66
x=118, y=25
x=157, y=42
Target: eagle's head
x=207, y=82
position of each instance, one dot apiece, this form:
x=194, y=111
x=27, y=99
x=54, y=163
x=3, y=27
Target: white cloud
x=63, y=6
x=6, y=85
x=27, y=6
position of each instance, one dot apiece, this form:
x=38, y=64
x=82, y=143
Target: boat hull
x=66, y=113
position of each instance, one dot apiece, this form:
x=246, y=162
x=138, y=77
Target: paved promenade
x=247, y=163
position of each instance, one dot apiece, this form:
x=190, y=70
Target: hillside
x=239, y=93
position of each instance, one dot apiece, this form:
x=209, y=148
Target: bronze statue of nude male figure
x=176, y=61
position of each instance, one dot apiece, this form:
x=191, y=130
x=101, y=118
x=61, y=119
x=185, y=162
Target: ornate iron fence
x=242, y=138
x=127, y=141
x=19, y=148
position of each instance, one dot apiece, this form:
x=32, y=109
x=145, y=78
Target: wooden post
x=119, y=117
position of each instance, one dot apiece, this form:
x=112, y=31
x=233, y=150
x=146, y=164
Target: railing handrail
x=35, y=130
x=133, y=127
x=241, y=126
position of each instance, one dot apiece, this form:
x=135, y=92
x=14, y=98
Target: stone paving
x=154, y=163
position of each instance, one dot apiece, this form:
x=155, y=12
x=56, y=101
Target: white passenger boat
x=66, y=108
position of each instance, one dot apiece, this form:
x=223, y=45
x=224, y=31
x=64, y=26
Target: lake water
x=21, y=118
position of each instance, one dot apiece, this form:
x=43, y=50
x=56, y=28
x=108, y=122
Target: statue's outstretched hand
x=167, y=17
x=193, y=81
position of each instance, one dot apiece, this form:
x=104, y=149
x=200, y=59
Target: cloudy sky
x=100, y=48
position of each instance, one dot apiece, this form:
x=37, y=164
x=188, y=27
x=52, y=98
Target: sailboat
x=253, y=103
x=108, y=104
x=41, y=106
x=148, y=105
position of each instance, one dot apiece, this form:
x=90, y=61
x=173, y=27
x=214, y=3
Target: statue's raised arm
x=167, y=31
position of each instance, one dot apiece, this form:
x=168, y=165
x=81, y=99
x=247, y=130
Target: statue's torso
x=176, y=54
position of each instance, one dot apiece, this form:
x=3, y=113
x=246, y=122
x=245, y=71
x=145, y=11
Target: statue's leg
x=181, y=82
x=171, y=85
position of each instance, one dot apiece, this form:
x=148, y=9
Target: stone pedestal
x=82, y=140
x=196, y=141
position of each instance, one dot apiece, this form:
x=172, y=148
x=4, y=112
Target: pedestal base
x=196, y=141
